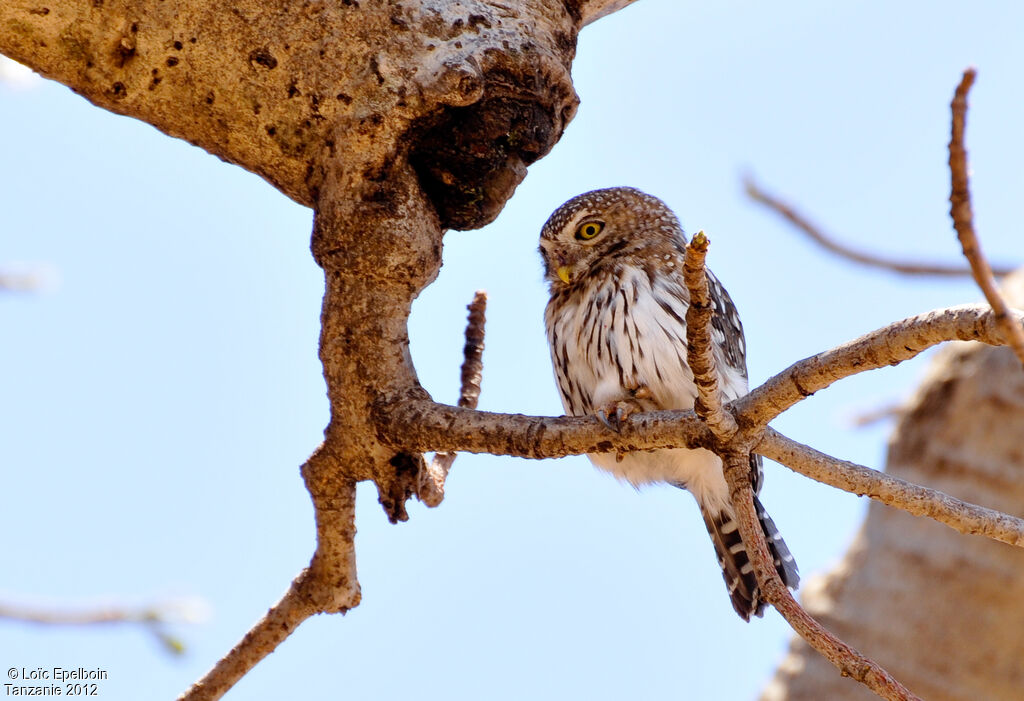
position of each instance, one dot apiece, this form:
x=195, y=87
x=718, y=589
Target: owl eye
x=588, y=230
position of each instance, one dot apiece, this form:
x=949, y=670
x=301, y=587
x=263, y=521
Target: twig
x=849, y=661
x=26, y=280
x=870, y=417
x=959, y=515
x=699, y=350
x=814, y=232
x=269, y=632
x=85, y=616
x=434, y=476
x=153, y=618
x=963, y=217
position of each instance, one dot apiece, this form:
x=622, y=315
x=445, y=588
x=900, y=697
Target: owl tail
x=737, y=569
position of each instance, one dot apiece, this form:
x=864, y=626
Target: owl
x=616, y=326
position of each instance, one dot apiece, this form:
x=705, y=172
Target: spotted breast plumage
x=616, y=326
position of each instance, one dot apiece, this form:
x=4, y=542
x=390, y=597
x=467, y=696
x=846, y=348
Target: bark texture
x=483, y=87
x=942, y=611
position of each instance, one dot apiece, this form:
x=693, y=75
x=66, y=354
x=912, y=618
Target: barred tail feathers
x=737, y=569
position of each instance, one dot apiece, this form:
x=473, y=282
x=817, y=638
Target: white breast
x=629, y=337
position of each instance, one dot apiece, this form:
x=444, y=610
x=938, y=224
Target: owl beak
x=563, y=274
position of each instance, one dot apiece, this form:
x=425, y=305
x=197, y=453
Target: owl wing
x=731, y=356
x=727, y=337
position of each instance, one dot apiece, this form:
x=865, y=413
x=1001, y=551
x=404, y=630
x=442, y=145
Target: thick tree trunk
x=943, y=612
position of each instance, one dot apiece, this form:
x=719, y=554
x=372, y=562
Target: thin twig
x=26, y=278
x=849, y=661
x=153, y=619
x=435, y=475
x=269, y=632
x=815, y=233
x=963, y=217
x=699, y=349
x=959, y=515
x=870, y=417
x=84, y=616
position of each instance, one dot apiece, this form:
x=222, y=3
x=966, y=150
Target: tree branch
x=328, y=585
x=434, y=476
x=963, y=217
x=591, y=10
x=21, y=281
x=892, y=491
x=153, y=618
x=699, y=349
x=734, y=450
x=888, y=345
x=829, y=243
x=271, y=630
x=849, y=661
x=424, y=426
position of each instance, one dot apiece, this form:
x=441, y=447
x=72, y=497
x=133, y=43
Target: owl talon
x=603, y=418
x=621, y=414
x=614, y=414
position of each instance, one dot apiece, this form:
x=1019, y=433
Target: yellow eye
x=589, y=230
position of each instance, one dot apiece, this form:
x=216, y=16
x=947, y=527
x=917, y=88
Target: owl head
x=601, y=228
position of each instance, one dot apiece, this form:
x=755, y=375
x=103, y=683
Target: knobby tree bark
x=395, y=121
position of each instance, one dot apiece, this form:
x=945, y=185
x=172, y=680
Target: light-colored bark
x=266, y=83
x=943, y=612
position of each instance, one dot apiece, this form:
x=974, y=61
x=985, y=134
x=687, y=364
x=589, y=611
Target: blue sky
x=161, y=393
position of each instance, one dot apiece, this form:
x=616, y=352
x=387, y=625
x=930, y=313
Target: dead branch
x=153, y=619
x=433, y=478
x=269, y=632
x=423, y=425
x=888, y=345
x=963, y=218
x=28, y=280
x=84, y=616
x=699, y=350
x=329, y=585
x=734, y=450
x=869, y=417
x=846, y=659
x=830, y=243
x=920, y=501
